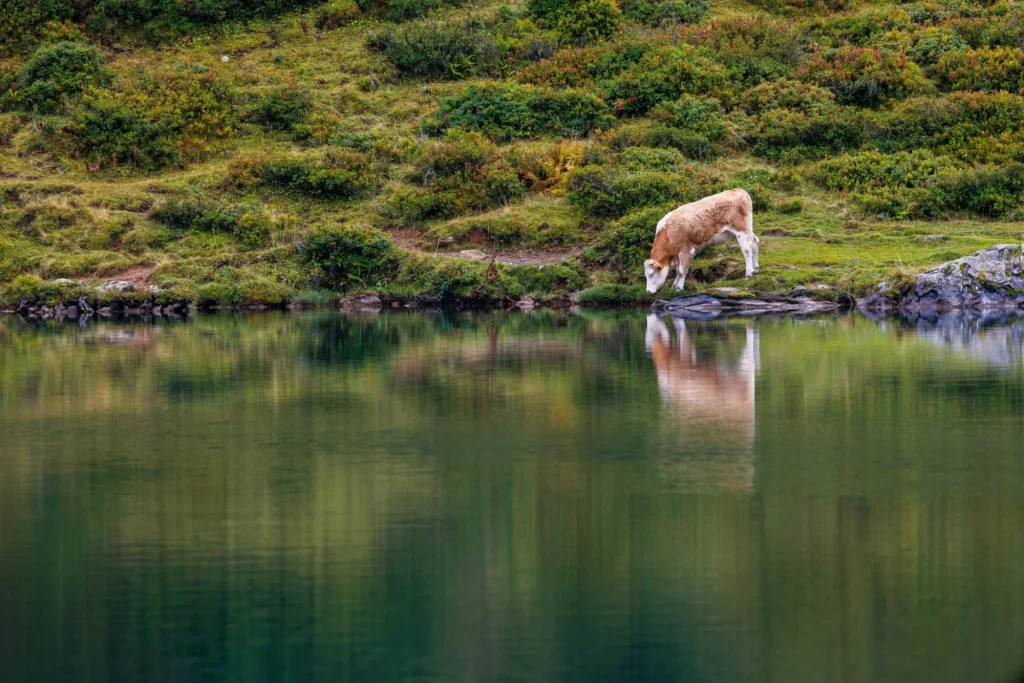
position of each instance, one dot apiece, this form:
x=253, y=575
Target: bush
x=336, y=14
x=283, y=108
x=999, y=68
x=23, y=22
x=865, y=76
x=451, y=50
x=404, y=10
x=802, y=5
x=584, y=67
x=336, y=174
x=873, y=170
x=507, y=112
x=628, y=243
x=663, y=76
x=609, y=192
x=153, y=123
x=752, y=49
x=659, y=12
x=342, y=257
x=588, y=21
x=249, y=224
x=54, y=75
x=791, y=135
x=788, y=94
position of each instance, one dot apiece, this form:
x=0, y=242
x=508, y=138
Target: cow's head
x=656, y=275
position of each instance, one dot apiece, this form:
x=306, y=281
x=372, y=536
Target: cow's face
x=656, y=275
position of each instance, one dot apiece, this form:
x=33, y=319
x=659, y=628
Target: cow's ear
x=657, y=265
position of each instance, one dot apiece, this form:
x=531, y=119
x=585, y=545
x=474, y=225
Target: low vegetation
x=276, y=151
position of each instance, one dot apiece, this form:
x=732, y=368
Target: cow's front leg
x=682, y=268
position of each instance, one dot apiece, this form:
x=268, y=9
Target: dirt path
x=409, y=240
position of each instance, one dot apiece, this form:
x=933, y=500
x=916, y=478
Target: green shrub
x=54, y=75
x=283, y=108
x=507, y=112
x=336, y=14
x=167, y=120
x=871, y=170
x=588, y=21
x=336, y=174
x=584, y=67
x=865, y=76
x=752, y=49
x=650, y=159
x=999, y=68
x=659, y=12
x=802, y=5
x=439, y=49
x=342, y=257
x=788, y=134
x=248, y=224
x=610, y=192
x=788, y=94
x=404, y=10
x=23, y=22
x=663, y=76
x=857, y=29
x=628, y=243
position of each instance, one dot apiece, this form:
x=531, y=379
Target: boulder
x=990, y=279
x=526, y=304
x=117, y=286
x=361, y=303
x=473, y=254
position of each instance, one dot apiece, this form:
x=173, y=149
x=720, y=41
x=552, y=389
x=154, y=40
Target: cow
x=692, y=227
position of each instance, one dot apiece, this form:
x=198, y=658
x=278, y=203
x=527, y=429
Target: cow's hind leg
x=746, y=246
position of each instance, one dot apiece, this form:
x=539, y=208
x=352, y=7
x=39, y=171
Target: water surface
x=529, y=497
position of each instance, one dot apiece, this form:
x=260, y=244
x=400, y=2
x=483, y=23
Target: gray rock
x=991, y=279
x=117, y=285
x=473, y=254
x=64, y=281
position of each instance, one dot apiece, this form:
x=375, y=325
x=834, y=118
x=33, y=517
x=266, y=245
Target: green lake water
x=526, y=497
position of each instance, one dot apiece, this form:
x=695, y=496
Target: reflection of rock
x=992, y=336
x=989, y=279
x=366, y=303
x=704, y=307
x=713, y=401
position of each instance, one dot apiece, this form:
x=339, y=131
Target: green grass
x=64, y=216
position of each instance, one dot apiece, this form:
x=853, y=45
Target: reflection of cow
x=712, y=399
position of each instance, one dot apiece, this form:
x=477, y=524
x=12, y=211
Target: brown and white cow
x=692, y=227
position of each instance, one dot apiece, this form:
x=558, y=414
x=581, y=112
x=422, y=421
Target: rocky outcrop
x=991, y=279
x=706, y=307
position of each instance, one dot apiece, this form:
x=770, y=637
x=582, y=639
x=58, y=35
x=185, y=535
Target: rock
x=574, y=298
x=63, y=281
x=71, y=312
x=117, y=286
x=84, y=306
x=934, y=238
x=705, y=307
x=361, y=303
x=990, y=279
x=474, y=254
x=526, y=304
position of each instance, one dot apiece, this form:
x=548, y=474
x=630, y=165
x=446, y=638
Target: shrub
x=22, y=23
x=336, y=174
x=248, y=224
x=283, y=108
x=865, y=76
x=999, y=68
x=341, y=257
x=153, y=123
x=457, y=49
x=584, y=67
x=927, y=45
x=609, y=192
x=659, y=12
x=802, y=5
x=663, y=76
x=507, y=112
x=403, y=10
x=872, y=170
x=857, y=29
x=628, y=243
x=752, y=49
x=588, y=21
x=959, y=124
x=336, y=14
x=788, y=134
x=55, y=74
x=788, y=94
x=650, y=159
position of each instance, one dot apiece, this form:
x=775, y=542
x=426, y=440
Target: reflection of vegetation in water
x=499, y=497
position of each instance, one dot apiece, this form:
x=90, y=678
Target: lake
x=512, y=497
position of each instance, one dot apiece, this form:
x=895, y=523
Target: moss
x=615, y=295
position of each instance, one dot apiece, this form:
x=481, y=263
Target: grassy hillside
x=272, y=151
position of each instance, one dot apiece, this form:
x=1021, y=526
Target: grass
x=60, y=218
